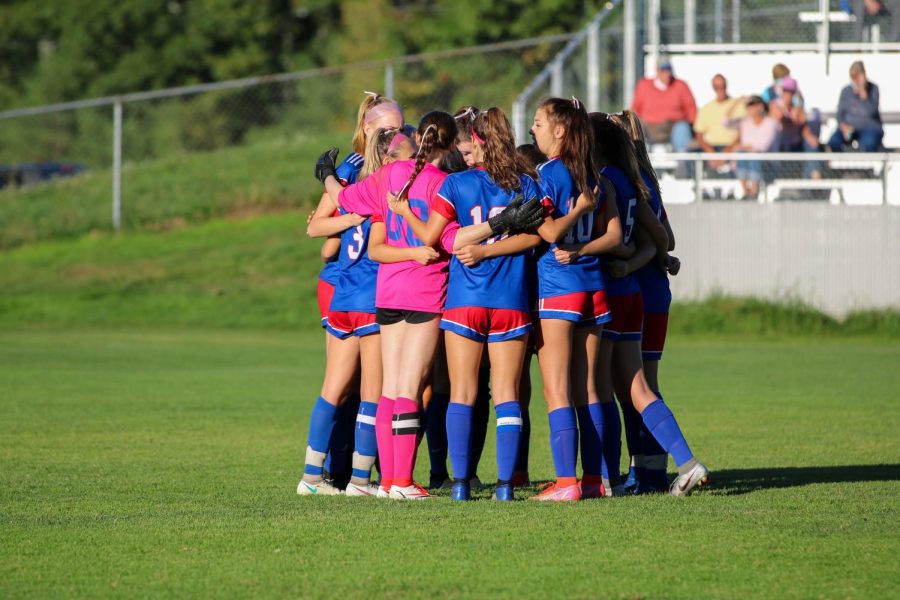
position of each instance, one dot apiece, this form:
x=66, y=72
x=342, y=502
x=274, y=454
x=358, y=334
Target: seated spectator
x=758, y=133
x=709, y=131
x=667, y=107
x=796, y=133
x=779, y=72
x=859, y=119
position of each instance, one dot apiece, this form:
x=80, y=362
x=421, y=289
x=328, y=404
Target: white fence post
x=518, y=118
x=556, y=79
x=389, y=80
x=117, y=165
x=629, y=52
x=593, y=67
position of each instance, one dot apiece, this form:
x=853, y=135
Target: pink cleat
x=557, y=493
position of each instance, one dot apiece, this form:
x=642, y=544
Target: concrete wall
x=836, y=258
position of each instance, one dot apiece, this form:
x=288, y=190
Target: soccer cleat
x=631, y=481
x=614, y=491
x=504, y=492
x=520, y=479
x=556, y=493
x=370, y=489
x=382, y=493
x=652, y=482
x=322, y=488
x=439, y=481
x=409, y=492
x=460, y=491
x=683, y=485
x=592, y=490
x=475, y=483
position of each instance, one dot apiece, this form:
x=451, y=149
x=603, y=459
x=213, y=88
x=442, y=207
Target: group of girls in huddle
x=564, y=256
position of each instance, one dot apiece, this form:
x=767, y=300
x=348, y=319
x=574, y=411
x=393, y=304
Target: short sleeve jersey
x=470, y=198
x=584, y=274
x=626, y=203
x=652, y=280
x=406, y=285
x=347, y=172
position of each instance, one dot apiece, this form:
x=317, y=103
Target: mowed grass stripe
x=164, y=462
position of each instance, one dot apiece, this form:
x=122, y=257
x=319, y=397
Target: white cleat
x=683, y=485
x=322, y=488
x=369, y=489
x=382, y=493
x=409, y=492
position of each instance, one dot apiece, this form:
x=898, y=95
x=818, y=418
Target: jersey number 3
x=354, y=250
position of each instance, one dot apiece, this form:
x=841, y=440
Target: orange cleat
x=554, y=492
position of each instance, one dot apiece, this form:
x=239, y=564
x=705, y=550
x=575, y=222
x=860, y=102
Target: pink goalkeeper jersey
x=406, y=285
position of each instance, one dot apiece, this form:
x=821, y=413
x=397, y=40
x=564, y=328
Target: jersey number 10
x=477, y=219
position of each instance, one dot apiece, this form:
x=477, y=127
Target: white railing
x=882, y=187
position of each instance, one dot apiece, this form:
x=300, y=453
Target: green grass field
x=155, y=388
x=163, y=463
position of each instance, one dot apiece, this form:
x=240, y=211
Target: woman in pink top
x=759, y=133
x=409, y=296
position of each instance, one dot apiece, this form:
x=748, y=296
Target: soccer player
x=487, y=300
x=620, y=350
x=647, y=472
x=409, y=295
x=335, y=419
x=572, y=304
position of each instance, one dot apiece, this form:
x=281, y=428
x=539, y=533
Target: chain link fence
x=191, y=153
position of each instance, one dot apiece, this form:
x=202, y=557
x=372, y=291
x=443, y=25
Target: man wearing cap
x=666, y=106
x=858, y=116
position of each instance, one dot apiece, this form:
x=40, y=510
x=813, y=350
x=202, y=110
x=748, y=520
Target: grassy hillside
x=261, y=272
x=183, y=188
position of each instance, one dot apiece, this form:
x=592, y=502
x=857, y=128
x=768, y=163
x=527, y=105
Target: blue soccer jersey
x=584, y=274
x=347, y=173
x=626, y=203
x=355, y=290
x=653, y=281
x=472, y=197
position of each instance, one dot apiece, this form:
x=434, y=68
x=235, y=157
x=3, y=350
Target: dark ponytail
x=437, y=131
x=613, y=146
x=632, y=125
x=576, y=146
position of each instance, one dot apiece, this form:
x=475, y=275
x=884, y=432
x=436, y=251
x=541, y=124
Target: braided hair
x=437, y=134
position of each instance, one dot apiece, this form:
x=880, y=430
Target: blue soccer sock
x=340, y=446
x=509, y=430
x=524, y=443
x=611, y=436
x=321, y=424
x=365, y=444
x=633, y=424
x=481, y=414
x=436, y=434
x=661, y=423
x=589, y=423
x=459, y=434
x=564, y=443
x=655, y=461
